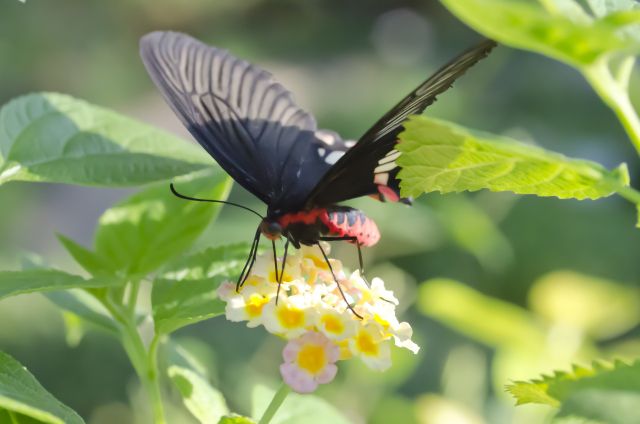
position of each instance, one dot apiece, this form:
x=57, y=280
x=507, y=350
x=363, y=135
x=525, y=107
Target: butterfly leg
x=284, y=263
x=246, y=270
x=358, y=245
x=354, y=239
x=275, y=259
x=337, y=283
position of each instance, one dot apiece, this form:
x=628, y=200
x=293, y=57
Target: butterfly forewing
x=245, y=119
x=360, y=171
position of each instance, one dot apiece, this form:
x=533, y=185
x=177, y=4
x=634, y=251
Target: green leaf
x=40, y=280
x=90, y=261
x=147, y=229
x=441, y=156
x=20, y=392
x=203, y=401
x=55, y=138
x=307, y=409
x=235, y=419
x=608, y=392
x=535, y=391
x=527, y=25
x=458, y=306
x=186, y=292
x=84, y=306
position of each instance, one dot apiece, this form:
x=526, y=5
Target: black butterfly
x=251, y=126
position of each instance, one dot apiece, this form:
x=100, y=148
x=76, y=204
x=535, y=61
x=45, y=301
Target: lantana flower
x=316, y=315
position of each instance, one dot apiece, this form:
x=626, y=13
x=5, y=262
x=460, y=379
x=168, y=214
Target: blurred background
x=498, y=287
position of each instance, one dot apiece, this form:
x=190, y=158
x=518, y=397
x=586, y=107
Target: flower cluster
x=312, y=313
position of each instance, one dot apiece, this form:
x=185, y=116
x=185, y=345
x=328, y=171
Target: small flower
x=247, y=307
x=334, y=324
x=290, y=317
x=309, y=360
x=368, y=344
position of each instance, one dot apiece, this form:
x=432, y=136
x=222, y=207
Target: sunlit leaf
x=296, y=408
x=203, y=401
x=596, y=306
x=147, y=229
x=56, y=138
x=186, y=292
x=441, y=156
x=608, y=392
x=527, y=25
x=459, y=306
x=21, y=393
x=39, y=280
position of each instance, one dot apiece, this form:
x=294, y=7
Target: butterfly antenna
x=196, y=199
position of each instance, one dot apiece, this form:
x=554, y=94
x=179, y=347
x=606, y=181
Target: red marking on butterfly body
x=334, y=222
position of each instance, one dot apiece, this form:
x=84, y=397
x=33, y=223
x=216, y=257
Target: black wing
x=247, y=121
x=369, y=167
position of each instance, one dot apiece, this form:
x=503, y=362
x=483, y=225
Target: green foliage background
x=545, y=283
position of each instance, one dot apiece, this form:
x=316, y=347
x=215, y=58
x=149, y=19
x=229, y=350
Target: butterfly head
x=271, y=229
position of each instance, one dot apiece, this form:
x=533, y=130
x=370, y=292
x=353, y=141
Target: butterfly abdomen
x=348, y=222
x=334, y=221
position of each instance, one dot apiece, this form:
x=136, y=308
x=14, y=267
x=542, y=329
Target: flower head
x=313, y=312
x=309, y=360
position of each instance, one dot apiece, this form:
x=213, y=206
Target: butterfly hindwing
x=368, y=168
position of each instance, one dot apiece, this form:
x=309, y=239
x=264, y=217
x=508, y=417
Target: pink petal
x=327, y=374
x=297, y=379
x=333, y=353
x=290, y=351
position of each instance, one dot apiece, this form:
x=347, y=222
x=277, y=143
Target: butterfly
x=251, y=125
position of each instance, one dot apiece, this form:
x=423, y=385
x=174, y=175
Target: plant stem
x=144, y=363
x=153, y=376
x=630, y=194
x=616, y=97
x=134, y=288
x=277, y=400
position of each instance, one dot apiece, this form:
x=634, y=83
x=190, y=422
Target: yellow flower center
x=383, y=322
x=286, y=278
x=290, y=317
x=332, y=324
x=255, y=304
x=345, y=352
x=318, y=261
x=365, y=344
x=312, y=358
x=253, y=281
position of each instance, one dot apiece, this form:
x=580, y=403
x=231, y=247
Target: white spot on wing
x=333, y=157
x=381, y=179
x=390, y=157
x=385, y=167
x=326, y=137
